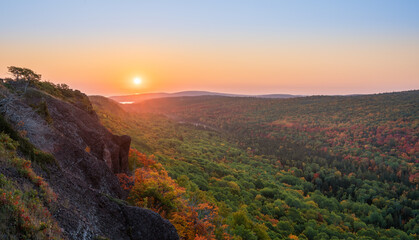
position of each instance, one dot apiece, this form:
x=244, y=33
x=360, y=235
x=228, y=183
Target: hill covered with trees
x=317, y=167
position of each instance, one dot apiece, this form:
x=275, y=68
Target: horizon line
x=251, y=95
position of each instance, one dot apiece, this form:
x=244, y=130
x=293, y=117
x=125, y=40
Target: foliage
x=24, y=74
x=152, y=188
x=24, y=212
x=65, y=93
x=312, y=168
x=62, y=91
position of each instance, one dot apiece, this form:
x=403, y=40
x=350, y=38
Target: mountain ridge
x=136, y=98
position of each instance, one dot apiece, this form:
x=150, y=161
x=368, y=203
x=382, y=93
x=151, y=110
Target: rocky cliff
x=88, y=156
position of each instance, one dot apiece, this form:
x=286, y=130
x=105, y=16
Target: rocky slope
x=88, y=156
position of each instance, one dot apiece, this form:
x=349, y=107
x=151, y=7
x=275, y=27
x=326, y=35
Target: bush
x=63, y=92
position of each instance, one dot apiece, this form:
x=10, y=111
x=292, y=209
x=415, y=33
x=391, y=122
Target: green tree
x=24, y=74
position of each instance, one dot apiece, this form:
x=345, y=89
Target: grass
x=27, y=148
x=116, y=200
x=42, y=110
x=23, y=207
x=63, y=92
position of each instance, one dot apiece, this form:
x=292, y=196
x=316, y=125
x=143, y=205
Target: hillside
x=137, y=98
x=58, y=166
x=321, y=167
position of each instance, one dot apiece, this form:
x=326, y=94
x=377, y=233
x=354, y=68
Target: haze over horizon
x=240, y=94
x=239, y=47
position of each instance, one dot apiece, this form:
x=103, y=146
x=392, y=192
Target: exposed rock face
x=124, y=143
x=88, y=155
x=85, y=129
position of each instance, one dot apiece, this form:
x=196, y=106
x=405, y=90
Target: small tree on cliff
x=24, y=74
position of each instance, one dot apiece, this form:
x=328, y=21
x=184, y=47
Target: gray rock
x=88, y=157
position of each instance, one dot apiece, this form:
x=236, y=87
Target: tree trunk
x=26, y=87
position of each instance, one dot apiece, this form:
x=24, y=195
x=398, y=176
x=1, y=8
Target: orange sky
x=224, y=56
x=290, y=67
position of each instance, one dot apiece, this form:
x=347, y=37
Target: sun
x=137, y=80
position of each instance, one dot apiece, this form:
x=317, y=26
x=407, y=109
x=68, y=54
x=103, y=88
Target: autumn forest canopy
x=321, y=167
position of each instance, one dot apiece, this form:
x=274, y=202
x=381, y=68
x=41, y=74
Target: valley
x=336, y=167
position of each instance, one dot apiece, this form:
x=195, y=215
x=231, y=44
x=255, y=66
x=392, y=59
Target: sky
x=249, y=47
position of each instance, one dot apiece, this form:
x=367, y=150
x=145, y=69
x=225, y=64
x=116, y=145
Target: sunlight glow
x=137, y=81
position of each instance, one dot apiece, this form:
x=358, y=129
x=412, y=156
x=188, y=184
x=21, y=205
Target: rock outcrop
x=84, y=129
x=88, y=156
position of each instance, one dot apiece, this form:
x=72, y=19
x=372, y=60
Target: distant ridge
x=136, y=98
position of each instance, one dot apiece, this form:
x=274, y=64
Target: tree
x=24, y=74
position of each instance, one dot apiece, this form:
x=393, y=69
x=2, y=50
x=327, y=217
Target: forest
x=320, y=167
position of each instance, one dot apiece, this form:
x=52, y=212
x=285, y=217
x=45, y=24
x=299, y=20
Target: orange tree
x=151, y=187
